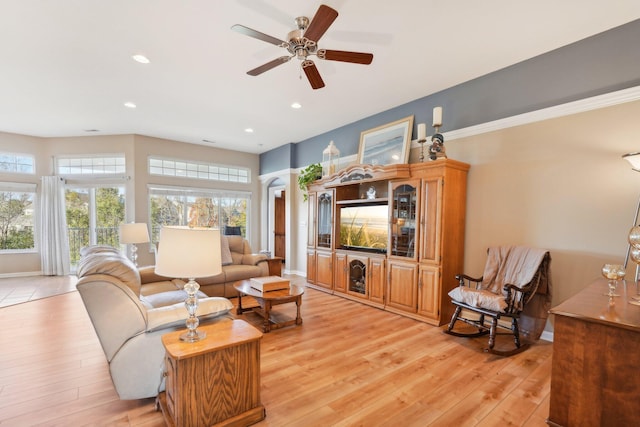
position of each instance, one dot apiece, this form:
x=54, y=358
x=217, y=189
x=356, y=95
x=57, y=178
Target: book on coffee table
x=269, y=283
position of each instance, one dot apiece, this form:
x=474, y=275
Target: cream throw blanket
x=518, y=266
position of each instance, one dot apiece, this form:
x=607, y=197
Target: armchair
x=130, y=327
x=515, y=284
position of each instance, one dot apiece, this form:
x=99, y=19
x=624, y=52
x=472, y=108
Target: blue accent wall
x=279, y=158
x=600, y=64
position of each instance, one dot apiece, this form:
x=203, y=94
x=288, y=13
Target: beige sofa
x=130, y=312
x=238, y=263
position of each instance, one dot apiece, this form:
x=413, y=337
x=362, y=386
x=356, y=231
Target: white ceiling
x=66, y=66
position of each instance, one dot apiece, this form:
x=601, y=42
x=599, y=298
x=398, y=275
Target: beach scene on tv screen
x=364, y=226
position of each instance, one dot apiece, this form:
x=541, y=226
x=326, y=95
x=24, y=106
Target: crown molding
x=575, y=107
x=587, y=104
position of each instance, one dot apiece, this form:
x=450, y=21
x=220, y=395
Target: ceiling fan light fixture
x=302, y=43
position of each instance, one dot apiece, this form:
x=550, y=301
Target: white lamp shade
x=188, y=252
x=134, y=233
x=634, y=159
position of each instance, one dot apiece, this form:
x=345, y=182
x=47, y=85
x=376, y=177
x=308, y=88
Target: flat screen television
x=364, y=227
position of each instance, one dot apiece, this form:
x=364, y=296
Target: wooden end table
x=266, y=300
x=275, y=266
x=215, y=381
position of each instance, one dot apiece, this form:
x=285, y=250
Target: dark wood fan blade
x=269, y=65
x=344, y=56
x=257, y=35
x=313, y=75
x=322, y=20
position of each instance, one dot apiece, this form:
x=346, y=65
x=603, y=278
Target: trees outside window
x=196, y=209
x=16, y=220
x=94, y=215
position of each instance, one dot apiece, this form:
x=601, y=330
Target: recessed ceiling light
x=141, y=59
x=296, y=105
x=248, y=130
x=130, y=105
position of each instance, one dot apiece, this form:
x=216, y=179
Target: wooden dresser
x=215, y=381
x=595, y=378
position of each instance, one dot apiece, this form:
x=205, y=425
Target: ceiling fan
x=303, y=43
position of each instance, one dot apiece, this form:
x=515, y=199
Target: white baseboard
x=21, y=274
x=295, y=272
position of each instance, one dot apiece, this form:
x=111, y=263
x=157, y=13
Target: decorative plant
x=307, y=176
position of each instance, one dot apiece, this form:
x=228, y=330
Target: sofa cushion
x=241, y=272
x=212, y=280
x=113, y=265
x=225, y=252
x=236, y=244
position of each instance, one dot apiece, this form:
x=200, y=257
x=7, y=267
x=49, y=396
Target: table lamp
x=189, y=252
x=132, y=233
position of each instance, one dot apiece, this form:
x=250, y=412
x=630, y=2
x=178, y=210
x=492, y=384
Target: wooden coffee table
x=266, y=300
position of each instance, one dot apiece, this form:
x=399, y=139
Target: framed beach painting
x=387, y=144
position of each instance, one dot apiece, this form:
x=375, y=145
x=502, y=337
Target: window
x=198, y=170
x=94, y=214
x=16, y=163
x=17, y=216
x=198, y=208
x=107, y=164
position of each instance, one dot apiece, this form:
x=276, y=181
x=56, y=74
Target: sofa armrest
x=148, y=275
x=253, y=259
x=173, y=316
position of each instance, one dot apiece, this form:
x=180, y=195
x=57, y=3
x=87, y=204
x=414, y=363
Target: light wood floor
x=347, y=365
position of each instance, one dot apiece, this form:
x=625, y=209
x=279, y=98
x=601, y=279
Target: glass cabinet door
x=325, y=219
x=404, y=219
x=358, y=276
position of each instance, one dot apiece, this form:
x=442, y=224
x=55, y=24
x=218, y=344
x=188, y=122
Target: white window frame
x=191, y=169
x=16, y=163
x=111, y=165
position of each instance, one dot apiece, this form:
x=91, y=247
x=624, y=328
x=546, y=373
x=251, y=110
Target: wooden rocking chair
x=512, y=277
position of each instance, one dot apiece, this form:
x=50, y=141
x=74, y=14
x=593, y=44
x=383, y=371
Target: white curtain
x=54, y=241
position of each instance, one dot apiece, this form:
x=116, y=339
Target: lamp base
x=193, y=336
x=134, y=254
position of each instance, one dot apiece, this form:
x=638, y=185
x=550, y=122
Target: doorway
x=279, y=225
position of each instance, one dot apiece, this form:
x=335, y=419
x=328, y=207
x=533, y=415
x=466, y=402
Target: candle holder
x=421, y=142
x=436, y=149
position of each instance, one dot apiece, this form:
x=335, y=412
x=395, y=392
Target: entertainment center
x=390, y=236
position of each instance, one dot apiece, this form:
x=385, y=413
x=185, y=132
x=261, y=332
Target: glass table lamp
x=133, y=233
x=189, y=252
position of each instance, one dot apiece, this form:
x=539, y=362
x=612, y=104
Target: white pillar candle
x=437, y=116
x=422, y=131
